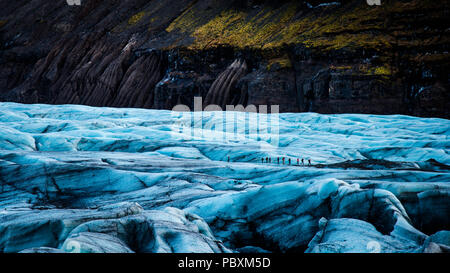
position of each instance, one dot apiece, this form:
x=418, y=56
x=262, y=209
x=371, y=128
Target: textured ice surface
x=65, y=168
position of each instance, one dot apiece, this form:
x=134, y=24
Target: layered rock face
x=327, y=57
x=221, y=93
x=94, y=179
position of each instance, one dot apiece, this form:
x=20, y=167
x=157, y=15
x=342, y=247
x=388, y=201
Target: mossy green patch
x=282, y=62
x=136, y=18
x=233, y=27
x=332, y=29
x=382, y=71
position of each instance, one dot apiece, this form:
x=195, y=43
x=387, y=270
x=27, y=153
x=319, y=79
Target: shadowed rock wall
x=304, y=56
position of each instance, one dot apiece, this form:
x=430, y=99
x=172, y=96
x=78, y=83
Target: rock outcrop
x=221, y=91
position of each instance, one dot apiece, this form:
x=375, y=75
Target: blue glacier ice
x=85, y=179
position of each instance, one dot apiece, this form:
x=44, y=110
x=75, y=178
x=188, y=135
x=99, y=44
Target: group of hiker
x=283, y=160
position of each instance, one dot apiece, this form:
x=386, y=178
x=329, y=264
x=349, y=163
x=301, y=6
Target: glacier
x=89, y=179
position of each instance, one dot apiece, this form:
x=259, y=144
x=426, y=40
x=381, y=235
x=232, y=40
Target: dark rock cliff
x=322, y=56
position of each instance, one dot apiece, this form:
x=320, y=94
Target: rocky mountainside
x=321, y=56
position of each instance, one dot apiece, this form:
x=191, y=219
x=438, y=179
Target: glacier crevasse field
x=84, y=179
